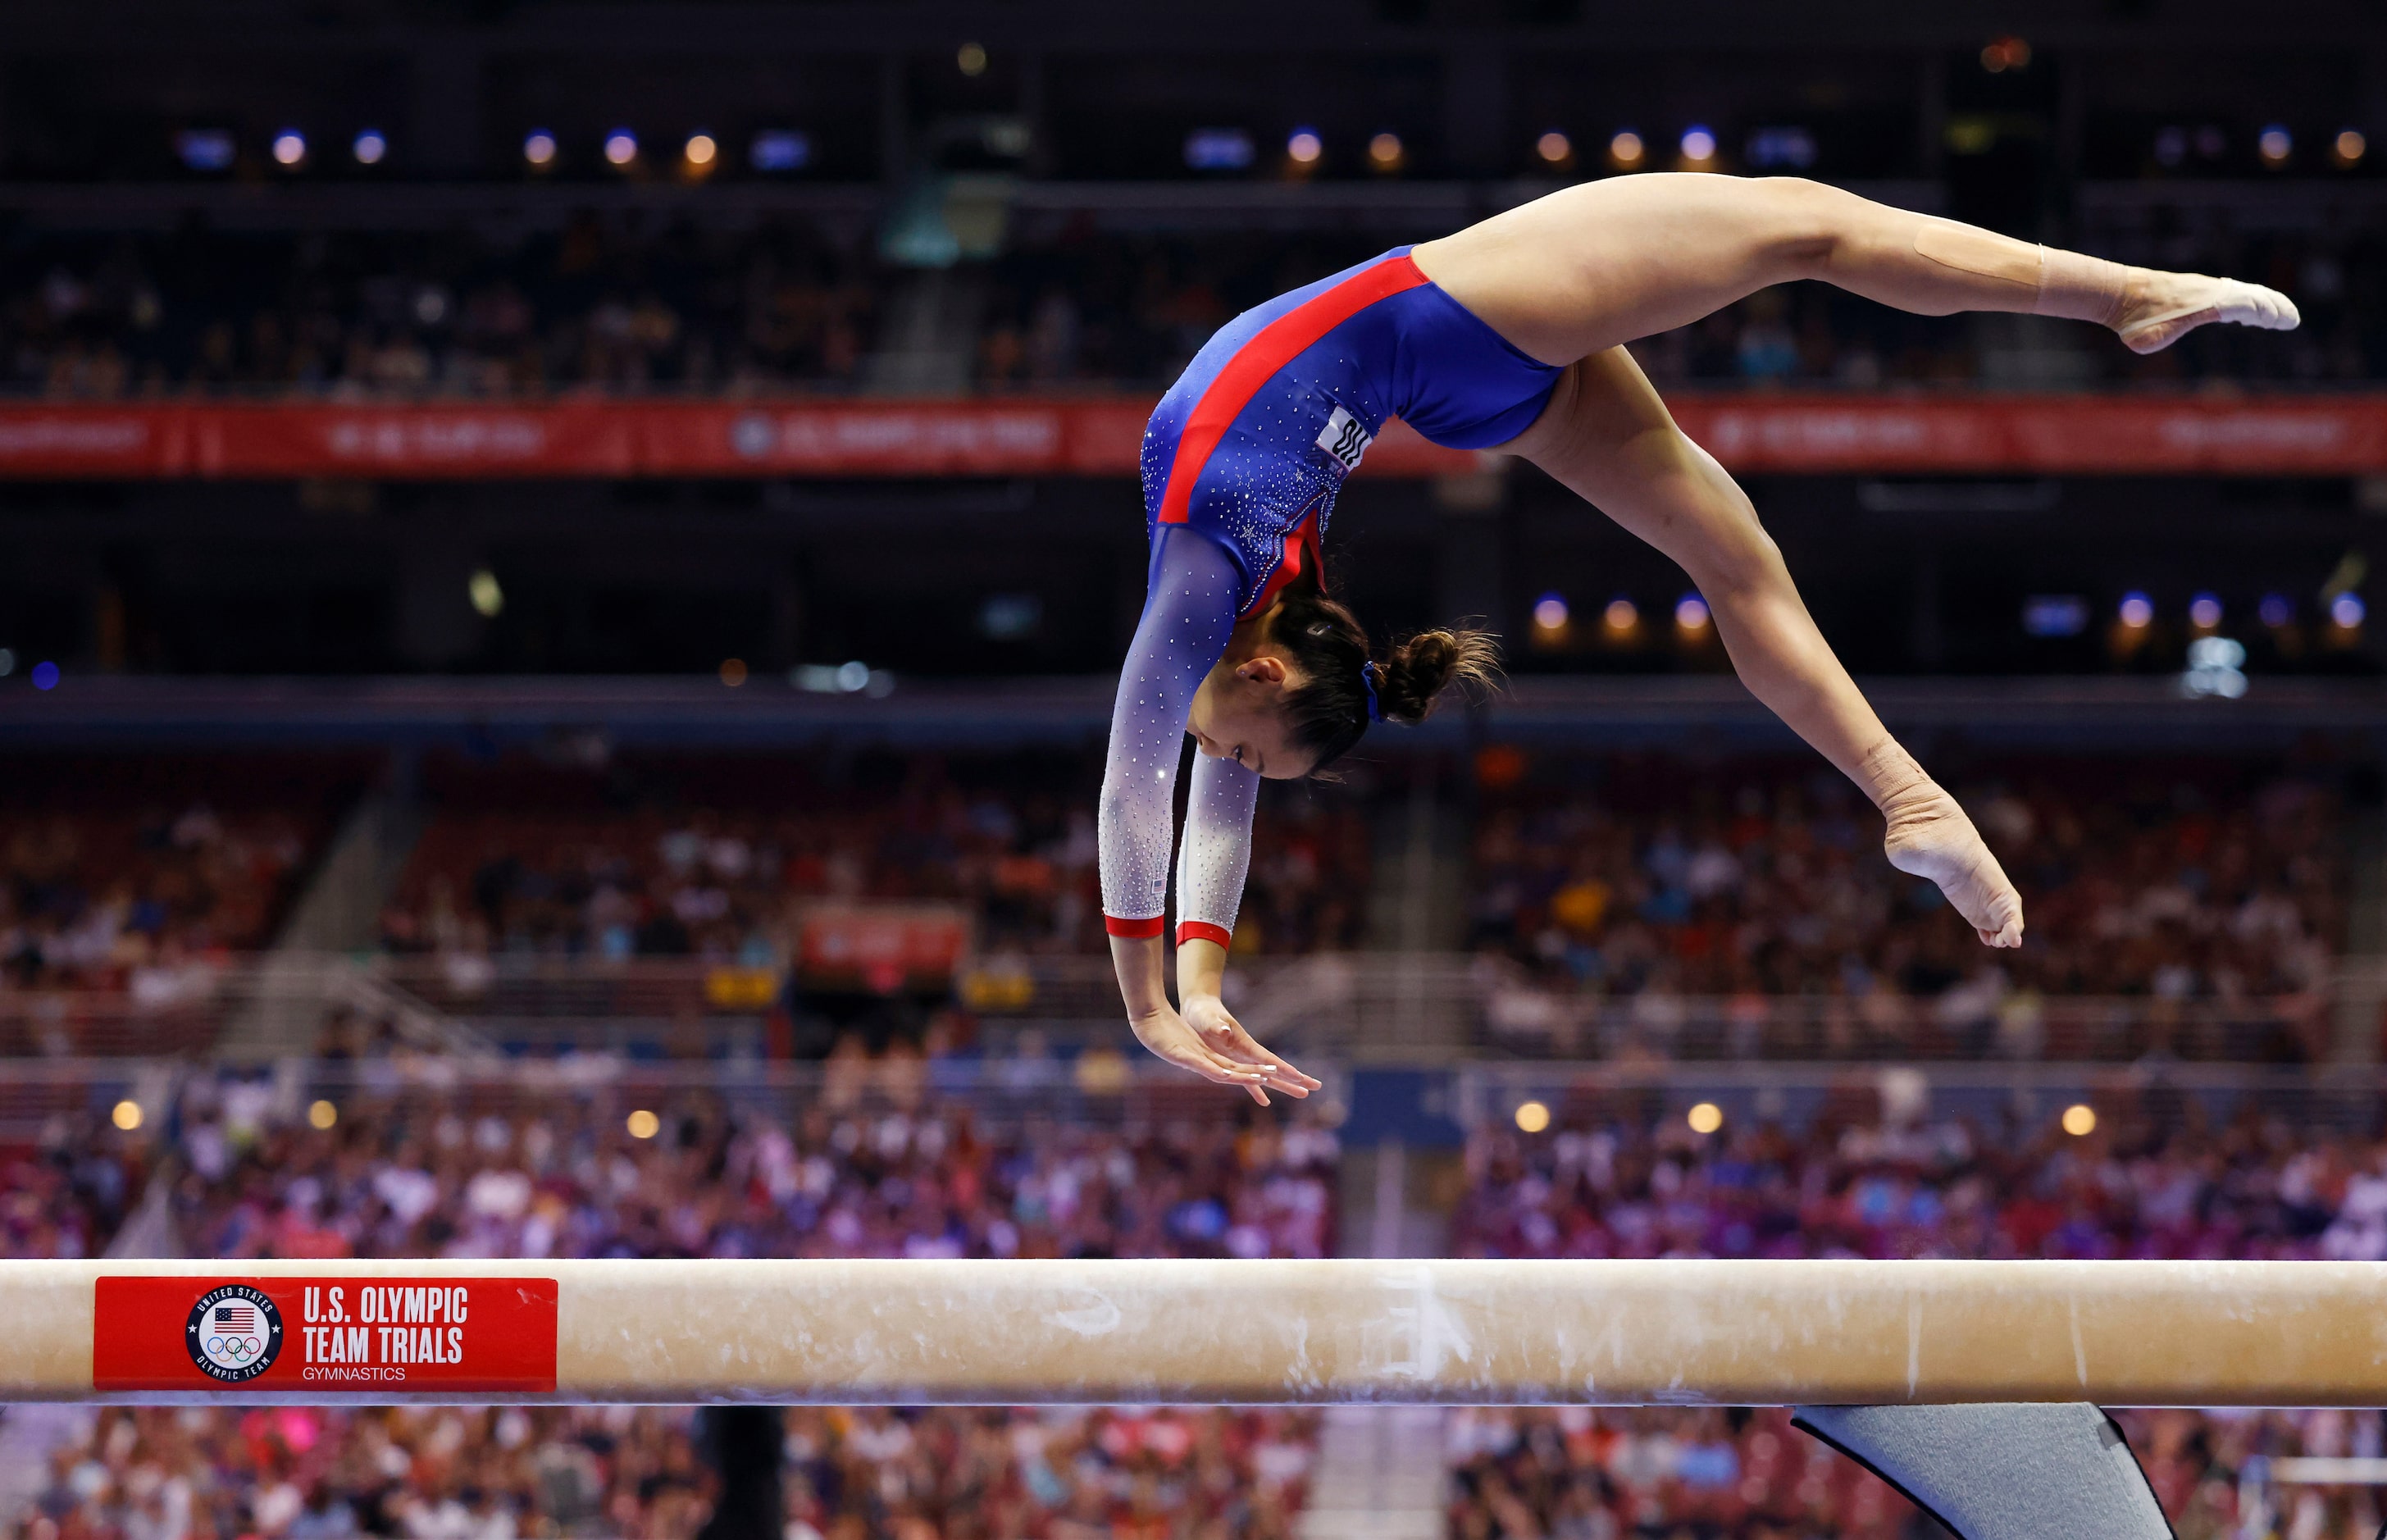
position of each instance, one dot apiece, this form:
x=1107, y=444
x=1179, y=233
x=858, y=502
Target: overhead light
x=2276, y=144
x=620, y=146
x=205, y=150
x=1792, y=146
x=970, y=57
x=780, y=150
x=2349, y=148
x=700, y=149
x=1551, y=613
x=369, y=147
x=488, y=598
x=1621, y=614
x=2136, y=611
x=1699, y=143
x=1218, y=149
x=2205, y=611
x=2276, y=611
x=1626, y=149
x=2006, y=53
x=2215, y=666
x=539, y=148
x=1303, y=147
x=2346, y=612
x=1384, y=150
x=289, y=147
x=1554, y=147
x=2054, y=614
x=1691, y=613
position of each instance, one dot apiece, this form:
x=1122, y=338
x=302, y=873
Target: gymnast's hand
x=1929, y=836
x=1207, y=1040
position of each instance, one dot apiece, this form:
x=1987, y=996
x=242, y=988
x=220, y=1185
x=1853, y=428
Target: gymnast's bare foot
x=1930, y=837
x=2158, y=308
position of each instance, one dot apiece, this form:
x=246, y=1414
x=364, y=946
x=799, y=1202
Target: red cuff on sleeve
x=1135, y=929
x=1202, y=931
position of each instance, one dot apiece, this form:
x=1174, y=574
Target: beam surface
x=1451, y=1332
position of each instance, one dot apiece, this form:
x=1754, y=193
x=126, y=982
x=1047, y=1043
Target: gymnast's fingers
x=1232, y=1041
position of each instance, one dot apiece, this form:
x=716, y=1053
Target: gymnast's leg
x=1606, y=437
x=1591, y=266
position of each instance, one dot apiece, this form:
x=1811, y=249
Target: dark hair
x=1325, y=640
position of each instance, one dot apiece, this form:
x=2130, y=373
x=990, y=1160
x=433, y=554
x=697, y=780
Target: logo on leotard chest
x=1345, y=438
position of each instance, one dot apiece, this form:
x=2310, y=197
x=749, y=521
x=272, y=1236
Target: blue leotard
x=1241, y=464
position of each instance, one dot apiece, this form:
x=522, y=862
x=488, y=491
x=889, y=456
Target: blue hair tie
x=1368, y=681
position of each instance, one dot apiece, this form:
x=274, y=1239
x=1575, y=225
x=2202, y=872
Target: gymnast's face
x=1239, y=714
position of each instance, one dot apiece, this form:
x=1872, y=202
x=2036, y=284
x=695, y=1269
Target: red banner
x=326, y=1336
x=881, y=947
x=572, y=437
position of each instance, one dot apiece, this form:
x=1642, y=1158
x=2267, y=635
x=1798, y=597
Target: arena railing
x=1363, y=1006
x=54, y=1101
x=61, y=1101
x=2024, y=1098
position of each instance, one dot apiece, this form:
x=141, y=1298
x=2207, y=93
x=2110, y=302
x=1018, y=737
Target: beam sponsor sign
x=325, y=1335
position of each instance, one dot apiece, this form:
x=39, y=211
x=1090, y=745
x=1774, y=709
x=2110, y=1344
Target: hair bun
x=1422, y=666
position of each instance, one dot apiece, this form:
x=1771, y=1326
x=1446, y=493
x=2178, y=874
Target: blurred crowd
x=1574, y=1473
x=462, y=1473
x=409, y=1169
x=1139, y=1474
x=141, y=875
x=1603, y=893
x=625, y=303
x=623, y=306
x=722, y=860
x=2167, y=1177
x=68, y=1179
x=407, y=1165
x=418, y=1164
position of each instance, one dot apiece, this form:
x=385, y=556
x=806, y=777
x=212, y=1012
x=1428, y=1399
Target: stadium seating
x=629, y=307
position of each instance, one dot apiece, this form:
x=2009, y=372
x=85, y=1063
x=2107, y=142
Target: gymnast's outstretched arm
x=1607, y=437
x=1189, y=616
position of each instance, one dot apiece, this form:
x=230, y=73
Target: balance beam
x=1004, y=1332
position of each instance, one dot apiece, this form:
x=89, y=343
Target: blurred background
x=561, y=572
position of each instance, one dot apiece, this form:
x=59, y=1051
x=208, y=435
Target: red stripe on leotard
x=1276, y=345
x=1202, y=930
x=1301, y=554
x=1135, y=929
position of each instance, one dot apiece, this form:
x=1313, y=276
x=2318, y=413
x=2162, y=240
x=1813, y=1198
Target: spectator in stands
x=408, y=1174
x=617, y=304
x=727, y=879
x=1633, y=885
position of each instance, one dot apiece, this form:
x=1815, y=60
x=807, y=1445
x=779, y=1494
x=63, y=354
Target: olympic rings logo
x=240, y=1343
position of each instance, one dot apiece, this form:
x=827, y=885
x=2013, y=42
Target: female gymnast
x=1509, y=335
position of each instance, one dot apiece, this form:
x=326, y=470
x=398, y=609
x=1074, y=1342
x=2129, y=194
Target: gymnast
x=1509, y=335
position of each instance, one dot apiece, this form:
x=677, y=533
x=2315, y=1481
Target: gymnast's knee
x=1807, y=224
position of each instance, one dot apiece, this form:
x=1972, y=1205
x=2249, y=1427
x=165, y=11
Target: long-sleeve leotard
x=1189, y=611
